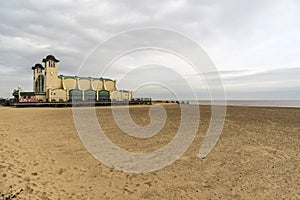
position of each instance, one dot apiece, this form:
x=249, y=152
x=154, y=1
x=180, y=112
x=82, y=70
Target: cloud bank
x=254, y=44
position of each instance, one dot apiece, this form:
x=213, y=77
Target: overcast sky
x=255, y=44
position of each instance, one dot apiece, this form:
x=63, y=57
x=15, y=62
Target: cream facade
x=121, y=95
x=48, y=86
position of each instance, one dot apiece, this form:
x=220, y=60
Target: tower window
x=40, y=84
x=51, y=63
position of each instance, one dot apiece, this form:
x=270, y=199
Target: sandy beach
x=256, y=157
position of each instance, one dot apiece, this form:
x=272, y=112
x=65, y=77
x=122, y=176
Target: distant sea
x=254, y=103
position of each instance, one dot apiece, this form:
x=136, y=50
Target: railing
x=80, y=103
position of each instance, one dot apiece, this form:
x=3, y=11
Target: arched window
x=40, y=84
x=51, y=63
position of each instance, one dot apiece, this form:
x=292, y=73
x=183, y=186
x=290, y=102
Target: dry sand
x=256, y=157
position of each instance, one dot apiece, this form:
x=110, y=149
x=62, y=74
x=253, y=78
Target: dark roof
x=50, y=57
x=38, y=65
x=32, y=93
x=88, y=78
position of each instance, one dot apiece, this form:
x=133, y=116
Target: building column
x=115, y=84
x=91, y=84
x=77, y=83
x=104, y=85
x=63, y=82
x=49, y=95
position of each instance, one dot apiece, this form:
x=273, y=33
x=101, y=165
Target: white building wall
x=121, y=95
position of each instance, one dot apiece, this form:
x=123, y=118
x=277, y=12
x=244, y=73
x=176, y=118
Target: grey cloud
x=249, y=34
